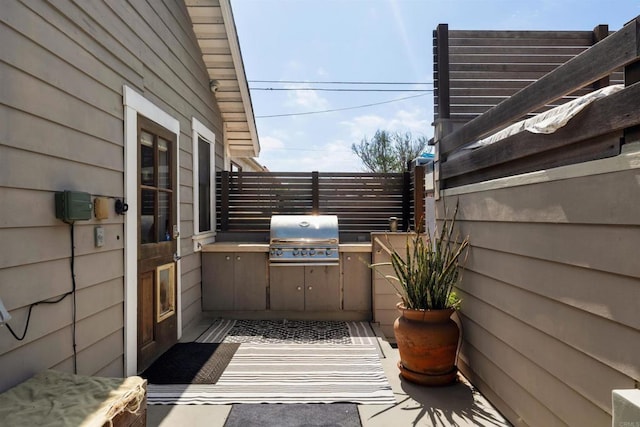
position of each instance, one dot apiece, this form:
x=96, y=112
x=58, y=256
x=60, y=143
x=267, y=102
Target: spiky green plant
x=426, y=276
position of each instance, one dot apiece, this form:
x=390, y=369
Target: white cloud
x=414, y=121
x=306, y=100
x=268, y=143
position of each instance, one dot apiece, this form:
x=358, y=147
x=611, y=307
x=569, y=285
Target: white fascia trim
x=135, y=104
x=198, y=129
x=236, y=54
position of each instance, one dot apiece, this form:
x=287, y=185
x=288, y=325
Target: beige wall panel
x=41, y=64
x=28, y=360
x=55, y=174
x=186, y=196
x=22, y=285
x=57, y=36
x=575, y=244
x=47, y=243
x=607, y=295
x=563, y=401
x=601, y=339
x=101, y=354
x=387, y=301
x=168, y=32
x=560, y=360
x=99, y=297
x=530, y=411
x=114, y=47
x=191, y=314
x=611, y=198
x=27, y=93
x=115, y=369
x=190, y=279
x=190, y=262
x=191, y=296
x=186, y=209
x=186, y=159
x=45, y=319
x=100, y=324
x=186, y=229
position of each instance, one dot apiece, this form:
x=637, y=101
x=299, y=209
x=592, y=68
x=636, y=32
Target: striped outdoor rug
x=296, y=373
x=278, y=365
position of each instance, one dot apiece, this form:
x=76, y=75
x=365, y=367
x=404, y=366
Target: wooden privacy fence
x=596, y=132
x=363, y=202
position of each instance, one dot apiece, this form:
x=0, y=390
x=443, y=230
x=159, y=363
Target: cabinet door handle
x=348, y=258
x=310, y=287
x=237, y=258
x=227, y=257
x=299, y=288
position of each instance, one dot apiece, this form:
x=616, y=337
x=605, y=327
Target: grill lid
x=308, y=229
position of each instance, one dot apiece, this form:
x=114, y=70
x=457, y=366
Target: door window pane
x=164, y=217
x=204, y=185
x=146, y=158
x=147, y=216
x=164, y=171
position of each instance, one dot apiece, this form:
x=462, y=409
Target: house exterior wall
x=551, y=290
x=63, y=67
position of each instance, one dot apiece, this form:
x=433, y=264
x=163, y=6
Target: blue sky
x=369, y=40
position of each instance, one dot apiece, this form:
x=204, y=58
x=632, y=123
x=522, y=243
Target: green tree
x=389, y=152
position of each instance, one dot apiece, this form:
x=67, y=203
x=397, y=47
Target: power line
x=340, y=89
x=341, y=109
x=338, y=82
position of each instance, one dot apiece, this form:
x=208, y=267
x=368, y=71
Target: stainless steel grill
x=298, y=239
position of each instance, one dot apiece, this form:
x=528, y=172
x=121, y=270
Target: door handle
x=176, y=232
x=176, y=258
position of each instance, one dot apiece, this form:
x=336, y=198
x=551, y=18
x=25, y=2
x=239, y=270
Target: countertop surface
x=264, y=247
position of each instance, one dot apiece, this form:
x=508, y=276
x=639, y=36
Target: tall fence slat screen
x=363, y=202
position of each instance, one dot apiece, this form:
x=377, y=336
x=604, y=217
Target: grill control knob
x=328, y=251
x=303, y=252
x=296, y=252
x=278, y=252
x=312, y=251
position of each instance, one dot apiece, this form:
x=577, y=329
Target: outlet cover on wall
x=99, y=237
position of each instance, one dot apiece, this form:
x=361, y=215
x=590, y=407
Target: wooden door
x=157, y=241
x=250, y=281
x=322, y=291
x=287, y=288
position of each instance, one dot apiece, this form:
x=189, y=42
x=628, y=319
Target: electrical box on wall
x=73, y=206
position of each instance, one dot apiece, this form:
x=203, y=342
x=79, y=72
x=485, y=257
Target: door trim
x=135, y=104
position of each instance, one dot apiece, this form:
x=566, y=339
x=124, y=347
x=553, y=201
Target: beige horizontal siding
x=550, y=295
x=64, y=65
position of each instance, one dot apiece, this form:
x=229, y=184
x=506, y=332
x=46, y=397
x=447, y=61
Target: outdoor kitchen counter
x=264, y=247
x=236, y=247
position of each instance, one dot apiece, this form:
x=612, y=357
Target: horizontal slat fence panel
x=363, y=202
x=506, y=76
x=500, y=63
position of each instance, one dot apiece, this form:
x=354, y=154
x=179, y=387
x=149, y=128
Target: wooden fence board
x=617, y=50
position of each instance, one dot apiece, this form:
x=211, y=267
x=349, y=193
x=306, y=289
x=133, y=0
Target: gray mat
x=294, y=415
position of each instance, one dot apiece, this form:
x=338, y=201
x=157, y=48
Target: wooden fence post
x=631, y=76
x=315, y=193
x=406, y=201
x=224, y=201
x=600, y=33
x=418, y=198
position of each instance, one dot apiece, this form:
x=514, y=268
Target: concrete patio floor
x=456, y=405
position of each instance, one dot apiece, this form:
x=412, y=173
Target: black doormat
x=191, y=363
x=294, y=415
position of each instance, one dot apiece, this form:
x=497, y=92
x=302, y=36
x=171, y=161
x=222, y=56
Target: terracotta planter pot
x=427, y=342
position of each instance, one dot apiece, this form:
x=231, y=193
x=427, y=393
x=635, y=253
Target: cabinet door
x=356, y=280
x=217, y=281
x=287, y=288
x=322, y=288
x=250, y=281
